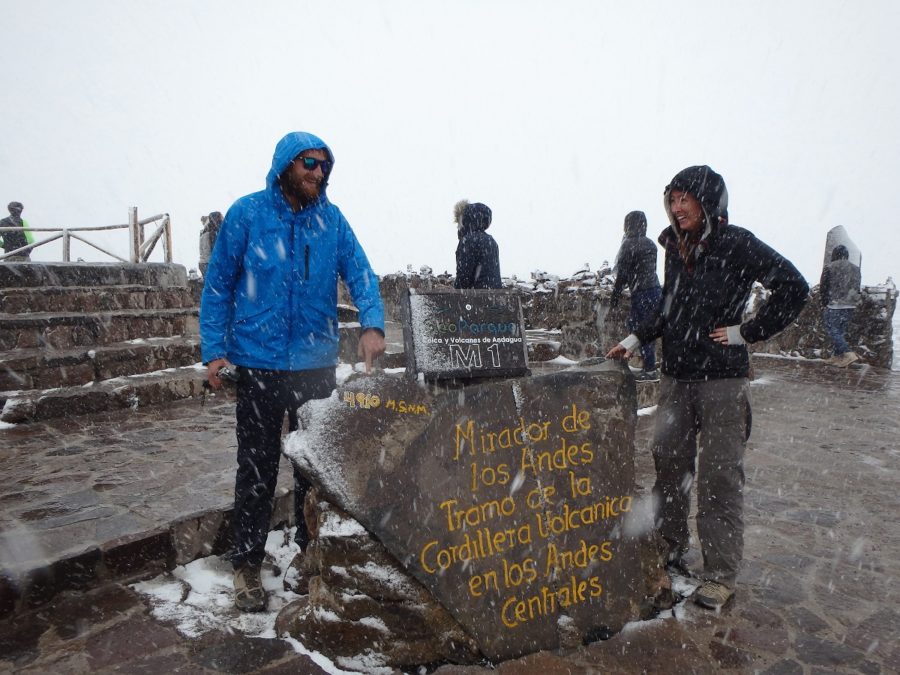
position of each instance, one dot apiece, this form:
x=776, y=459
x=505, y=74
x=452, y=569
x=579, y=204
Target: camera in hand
x=227, y=374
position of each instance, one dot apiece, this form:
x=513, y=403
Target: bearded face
x=302, y=185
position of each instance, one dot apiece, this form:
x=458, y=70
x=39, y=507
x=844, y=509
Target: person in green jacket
x=14, y=240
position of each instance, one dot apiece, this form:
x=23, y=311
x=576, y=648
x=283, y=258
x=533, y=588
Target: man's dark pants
x=643, y=306
x=263, y=397
x=836, y=323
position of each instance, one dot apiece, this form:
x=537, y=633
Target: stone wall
x=394, y=286
x=573, y=305
x=569, y=305
x=870, y=334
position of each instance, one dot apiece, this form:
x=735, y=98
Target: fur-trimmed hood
x=458, y=210
x=471, y=217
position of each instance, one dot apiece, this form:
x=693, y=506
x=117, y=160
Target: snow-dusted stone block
x=363, y=609
x=512, y=501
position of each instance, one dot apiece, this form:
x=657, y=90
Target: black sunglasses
x=310, y=163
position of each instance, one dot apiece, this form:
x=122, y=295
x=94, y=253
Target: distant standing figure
x=211, y=225
x=636, y=268
x=15, y=239
x=477, y=255
x=840, y=293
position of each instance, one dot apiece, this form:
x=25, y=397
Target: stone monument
x=508, y=504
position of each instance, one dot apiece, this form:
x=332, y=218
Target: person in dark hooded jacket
x=211, y=226
x=839, y=288
x=636, y=268
x=477, y=254
x=703, y=416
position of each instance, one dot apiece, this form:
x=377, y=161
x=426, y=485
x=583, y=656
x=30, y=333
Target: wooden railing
x=140, y=247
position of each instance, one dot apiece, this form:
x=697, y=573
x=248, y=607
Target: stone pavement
x=817, y=594
x=115, y=495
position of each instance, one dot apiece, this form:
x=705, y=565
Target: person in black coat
x=477, y=254
x=636, y=268
x=703, y=418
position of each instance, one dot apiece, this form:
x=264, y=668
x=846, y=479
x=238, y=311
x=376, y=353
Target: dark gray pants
x=263, y=398
x=701, y=431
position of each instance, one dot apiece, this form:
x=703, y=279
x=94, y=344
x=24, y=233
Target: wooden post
x=67, y=247
x=135, y=234
x=168, y=241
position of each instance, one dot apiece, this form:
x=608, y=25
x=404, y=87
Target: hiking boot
x=679, y=567
x=296, y=576
x=843, y=360
x=647, y=376
x=850, y=357
x=249, y=594
x=713, y=595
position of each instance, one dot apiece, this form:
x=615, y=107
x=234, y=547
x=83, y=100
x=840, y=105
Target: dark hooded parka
x=636, y=260
x=708, y=278
x=477, y=254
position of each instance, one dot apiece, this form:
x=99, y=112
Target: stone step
x=73, y=329
x=56, y=299
x=139, y=555
x=37, y=274
x=46, y=369
x=134, y=391
x=29, y=398
x=119, y=496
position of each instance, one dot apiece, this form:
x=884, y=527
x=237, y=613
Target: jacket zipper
x=290, y=289
x=306, y=263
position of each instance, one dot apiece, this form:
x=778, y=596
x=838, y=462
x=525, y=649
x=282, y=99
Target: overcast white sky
x=561, y=116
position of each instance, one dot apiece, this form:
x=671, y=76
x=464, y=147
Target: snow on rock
x=199, y=598
x=360, y=596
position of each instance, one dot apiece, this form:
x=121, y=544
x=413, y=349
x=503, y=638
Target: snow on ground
x=762, y=380
x=199, y=597
x=684, y=588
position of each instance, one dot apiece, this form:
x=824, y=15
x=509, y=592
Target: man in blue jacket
x=269, y=307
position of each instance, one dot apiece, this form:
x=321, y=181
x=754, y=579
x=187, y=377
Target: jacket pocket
x=250, y=312
x=262, y=333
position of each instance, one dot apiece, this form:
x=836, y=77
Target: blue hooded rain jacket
x=270, y=297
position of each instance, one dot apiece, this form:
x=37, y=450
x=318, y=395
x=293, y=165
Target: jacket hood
x=475, y=218
x=636, y=224
x=709, y=189
x=287, y=149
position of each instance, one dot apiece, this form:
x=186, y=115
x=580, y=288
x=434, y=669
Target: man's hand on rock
x=371, y=346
